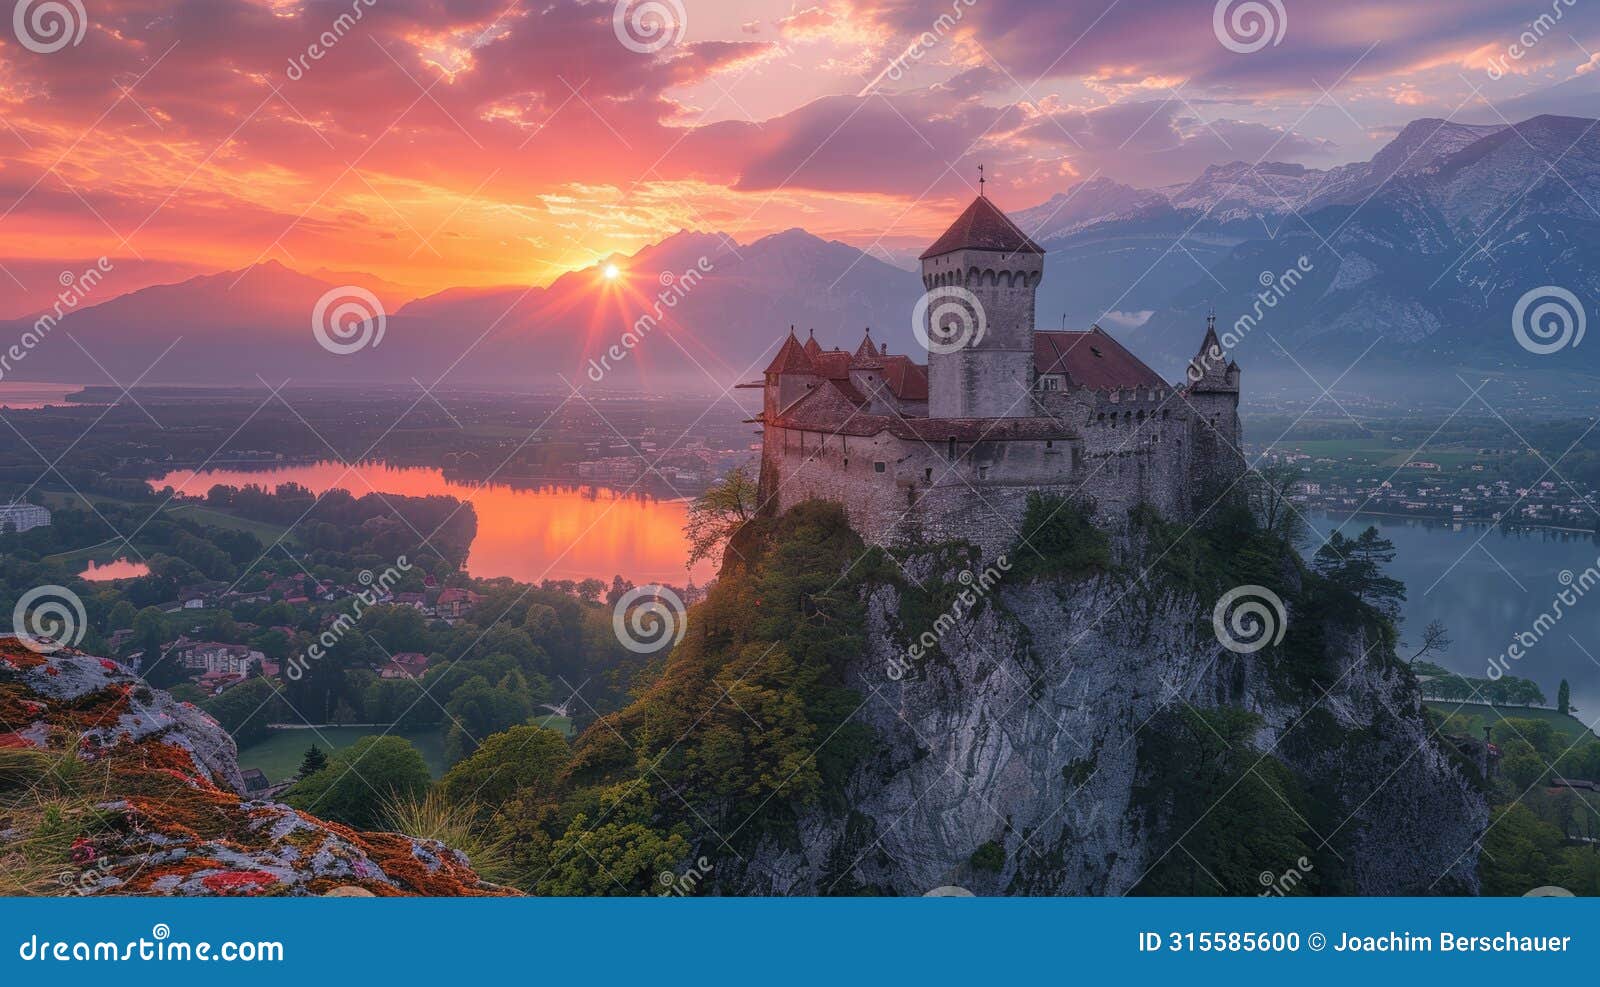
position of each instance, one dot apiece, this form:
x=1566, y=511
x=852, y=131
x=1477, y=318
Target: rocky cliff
x=110, y=787
x=1088, y=734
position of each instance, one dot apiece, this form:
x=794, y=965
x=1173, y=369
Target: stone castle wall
x=1128, y=447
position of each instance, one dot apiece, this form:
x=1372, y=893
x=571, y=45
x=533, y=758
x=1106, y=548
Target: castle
x=951, y=449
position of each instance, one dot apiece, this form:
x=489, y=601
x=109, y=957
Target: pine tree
x=313, y=762
x=1564, y=698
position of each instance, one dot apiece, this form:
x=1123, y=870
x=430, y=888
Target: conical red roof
x=983, y=227
x=791, y=358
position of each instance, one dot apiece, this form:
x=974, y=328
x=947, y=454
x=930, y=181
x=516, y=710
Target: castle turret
x=977, y=316
x=1213, y=394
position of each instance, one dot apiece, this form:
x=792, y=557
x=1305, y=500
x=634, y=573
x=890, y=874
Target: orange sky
x=437, y=144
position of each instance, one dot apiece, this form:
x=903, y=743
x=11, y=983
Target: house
x=453, y=604
x=404, y=665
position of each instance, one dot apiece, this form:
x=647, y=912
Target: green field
x=1568, y=726
x=268, y=533
x=279, y=755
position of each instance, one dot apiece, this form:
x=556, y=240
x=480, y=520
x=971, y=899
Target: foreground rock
x=172, y=820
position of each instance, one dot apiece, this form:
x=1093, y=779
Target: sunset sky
x=471, y=142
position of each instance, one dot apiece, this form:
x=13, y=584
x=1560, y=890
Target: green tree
x=1356, y=565
x=523, y=759
x=716, y=515
x=1519, y=854
x=313, y=761
x=361, y=779
x=149, y=633
x=1564, y=698
x=617, y=852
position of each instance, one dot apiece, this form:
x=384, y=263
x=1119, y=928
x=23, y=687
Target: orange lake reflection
x=527, y=533
x=101, y=572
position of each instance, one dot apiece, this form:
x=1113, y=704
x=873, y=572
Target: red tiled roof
x=907, y=381
x=832, y=364
x=1091, y=359
x=791, y=358
x=813, y=348
x=983, y=227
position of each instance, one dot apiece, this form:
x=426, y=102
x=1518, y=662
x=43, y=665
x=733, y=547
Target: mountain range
x=1421, y=253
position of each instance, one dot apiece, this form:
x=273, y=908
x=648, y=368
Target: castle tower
x=980, y=276
x=1213, y=393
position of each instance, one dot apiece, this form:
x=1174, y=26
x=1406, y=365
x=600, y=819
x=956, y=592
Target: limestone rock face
x=169, y=793
x=1026, y=729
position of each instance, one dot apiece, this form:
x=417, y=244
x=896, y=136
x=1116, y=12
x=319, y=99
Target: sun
x=612, y=272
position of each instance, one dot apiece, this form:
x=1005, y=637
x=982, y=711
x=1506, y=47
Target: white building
x=23, y=516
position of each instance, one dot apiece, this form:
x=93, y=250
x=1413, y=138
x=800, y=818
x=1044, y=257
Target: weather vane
x=980, y=181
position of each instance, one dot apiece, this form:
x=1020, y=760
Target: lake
x=25, y=395
x=527, y=533
x=1488, y=585
x=104, y=572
